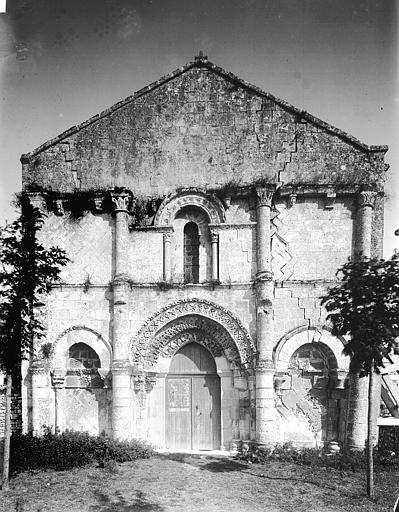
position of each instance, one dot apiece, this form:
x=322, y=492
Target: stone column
x=356, y=420
x=58, y=381
x=364, y=221
x=264, y=371
x=120, y=367
x=215, y=255
x=40, y=397
x=167, y=274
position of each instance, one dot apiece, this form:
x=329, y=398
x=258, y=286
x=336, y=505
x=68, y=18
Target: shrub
x=344, y=460
x=69, y=449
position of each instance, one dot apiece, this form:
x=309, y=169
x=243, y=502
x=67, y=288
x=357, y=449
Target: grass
x=190, y=483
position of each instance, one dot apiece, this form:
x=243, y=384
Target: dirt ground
x=193, y=483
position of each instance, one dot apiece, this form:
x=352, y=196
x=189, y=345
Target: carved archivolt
x=173, y=326
x=211, y=205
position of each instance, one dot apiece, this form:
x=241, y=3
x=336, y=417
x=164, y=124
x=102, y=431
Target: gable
x=200, y=127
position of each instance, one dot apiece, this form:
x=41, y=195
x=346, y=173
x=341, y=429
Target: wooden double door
x=193, y=401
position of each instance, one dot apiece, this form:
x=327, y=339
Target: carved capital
x=58, y=378
x=214, y=237
x=167, y=237
x=121, y=367
x=121, y=200
x=366, y=198
x=59, y=207
x=264, y=196
x=98, y=204
x=150, y=380
x=138, y=383
x=37, y=201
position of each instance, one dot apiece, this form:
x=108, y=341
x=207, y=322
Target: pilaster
x=58, y=382
x=40, y=396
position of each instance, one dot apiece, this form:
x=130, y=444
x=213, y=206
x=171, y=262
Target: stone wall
x=201, y=128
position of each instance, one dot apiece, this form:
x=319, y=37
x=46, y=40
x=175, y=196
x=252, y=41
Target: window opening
x=191, y=253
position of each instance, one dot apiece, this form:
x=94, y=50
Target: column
x=58, y=381
x=120, y=367
x=215, y=255
x=264, y=371
x=167, y=273
x=356, y=419
x=39, y=397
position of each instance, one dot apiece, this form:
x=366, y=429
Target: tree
x=365, y=306
x=28, y=270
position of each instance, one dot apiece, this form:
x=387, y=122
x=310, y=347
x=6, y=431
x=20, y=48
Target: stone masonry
x=280, y=200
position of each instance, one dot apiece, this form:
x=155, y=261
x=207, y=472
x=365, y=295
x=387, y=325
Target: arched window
x=82, y=356
x=191, y=253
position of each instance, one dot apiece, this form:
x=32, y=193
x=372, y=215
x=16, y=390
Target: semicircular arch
x=291, y=342
x=161, y=333
x=169, y=208
x=81, y=334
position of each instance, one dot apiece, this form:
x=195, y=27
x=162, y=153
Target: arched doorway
x=193, y=400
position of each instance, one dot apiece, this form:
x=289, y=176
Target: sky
x=63, y=61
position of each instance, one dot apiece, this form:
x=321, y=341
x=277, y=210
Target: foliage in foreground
x=344, y=460
x=365, y=306
x=69, y=449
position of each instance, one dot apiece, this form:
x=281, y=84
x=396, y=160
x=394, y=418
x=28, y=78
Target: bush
x=69, y=449
x=344, y=460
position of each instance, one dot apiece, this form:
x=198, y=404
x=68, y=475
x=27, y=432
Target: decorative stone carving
x=167, y=237
x=214, y=237
x=59, y=207
x=291, y=200
x=366, y=198
x=150, y=381
x=138, y=383
x=58, y=377
x=147, y=337
x=211, y=205
x=37, y=201
x=121, y=200
x=264, y=195
x=98, y=204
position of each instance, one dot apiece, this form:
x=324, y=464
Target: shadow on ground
x=206, y=462
x=119, y=504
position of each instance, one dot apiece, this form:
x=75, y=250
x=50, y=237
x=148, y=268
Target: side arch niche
x=81, y=381
x=169, y=208
x=216, y=328
x=310, y=387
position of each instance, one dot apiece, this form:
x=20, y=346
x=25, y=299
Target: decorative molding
x=220, y=227
x=58, y=377
x=146, y=340
x=264, y=195
x=264, y=365
x=98, y=204
x=366, y=198
x=169, y=208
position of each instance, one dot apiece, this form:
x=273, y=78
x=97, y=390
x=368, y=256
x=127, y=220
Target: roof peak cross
x=201, y=56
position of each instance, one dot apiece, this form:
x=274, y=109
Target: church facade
x=204, y=219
